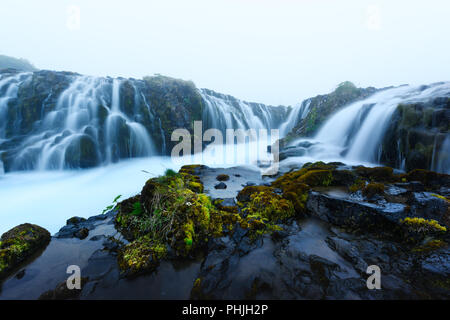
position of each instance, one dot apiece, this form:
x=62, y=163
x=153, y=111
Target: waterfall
x=299, y=112
x=9, y=87
x=443, y=159
x=354, y=134
x=225, y=112
x=87, y=127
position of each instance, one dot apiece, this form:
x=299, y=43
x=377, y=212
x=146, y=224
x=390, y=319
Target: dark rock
x=75, y=220
x=428, y=206
x=61, y=292
x=220, y=186
x=382, y=218
x=82, y=233
x=223, y=177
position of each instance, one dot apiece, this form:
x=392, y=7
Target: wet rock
x=379, y=218
x=75, y=220
x=82, y=233
x=19, y=244
x=220, y=186
x=429, y=206
x=62, y=292
x=223, y=177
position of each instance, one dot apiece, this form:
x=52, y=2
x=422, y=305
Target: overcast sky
x=276, y=52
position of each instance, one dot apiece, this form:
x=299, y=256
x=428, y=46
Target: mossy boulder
x=223, y=177
x=373, y=189
x=140, y=256
x=429, y=178
x=19, y=244
x=379, y=174
x=171, y=216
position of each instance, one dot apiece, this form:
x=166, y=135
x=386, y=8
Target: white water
x=75, y=118
x=221, y=113
x=299, y=112
x=354, y=134
x=49, y=198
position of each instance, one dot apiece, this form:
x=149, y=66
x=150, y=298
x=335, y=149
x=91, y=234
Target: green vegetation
x=110, y=207
x=19, y=244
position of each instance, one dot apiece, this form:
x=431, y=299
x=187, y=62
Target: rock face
x=19, y=244
x=58, y=120
x=418, y=136
x=323, y=106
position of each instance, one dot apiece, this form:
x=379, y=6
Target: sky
x=274, y=52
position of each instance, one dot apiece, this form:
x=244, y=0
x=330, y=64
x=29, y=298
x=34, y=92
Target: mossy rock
x=19, y=244
x=428, y=178
x=245, y=194
x=223, y=177
x=416, y=229
x=268, y=206
x=379, y=174
x=141, y=256
x=343, y=178
x=172, y=215
x=317, y=178
x=373, y=189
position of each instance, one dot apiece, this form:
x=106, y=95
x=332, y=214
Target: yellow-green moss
x=422, y=225
x=269, y=206
x=18, y=244
x=439, y=196
x=142, y=255
x=434, y=244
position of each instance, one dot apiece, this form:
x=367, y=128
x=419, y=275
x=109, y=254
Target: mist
x=275, y=52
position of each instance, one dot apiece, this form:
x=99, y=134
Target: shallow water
x=49, y=198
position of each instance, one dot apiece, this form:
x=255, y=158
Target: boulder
x=19, y=244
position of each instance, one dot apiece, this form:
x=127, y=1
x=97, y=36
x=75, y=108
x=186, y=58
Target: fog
x=276, y=52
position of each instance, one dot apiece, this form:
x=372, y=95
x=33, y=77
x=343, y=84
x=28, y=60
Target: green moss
x=432, y=245
x=172, y=214
x=380, y=174
x=269, y=207
x=372, y=189
x=141, y=256
x=317, y=178
x=358, y=185
x=20, y=243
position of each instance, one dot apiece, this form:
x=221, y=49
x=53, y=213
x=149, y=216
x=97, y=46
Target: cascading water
x=299, y=112
x=77, y=133
x=73, y=121
x=441, y=163
x=225, y=112
x=354, y=134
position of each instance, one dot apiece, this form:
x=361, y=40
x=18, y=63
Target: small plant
x=170, y=173
x=137, y=209
x=115, y=203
